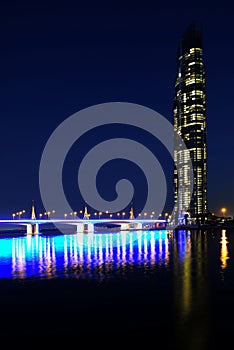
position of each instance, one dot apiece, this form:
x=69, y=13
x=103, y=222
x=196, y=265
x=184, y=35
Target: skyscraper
x=190, y=123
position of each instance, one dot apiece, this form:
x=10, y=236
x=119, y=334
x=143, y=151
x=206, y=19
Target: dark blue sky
x=58, y=58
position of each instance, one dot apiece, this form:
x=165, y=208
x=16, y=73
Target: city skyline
x=68, y=61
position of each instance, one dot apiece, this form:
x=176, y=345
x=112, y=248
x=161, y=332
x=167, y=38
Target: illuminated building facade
x=190, y=123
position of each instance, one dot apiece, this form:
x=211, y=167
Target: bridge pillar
x=124, y=227
x=36, y=228
x=85, y=227
x=32, y=229
x=138, y=226
x=29, y=229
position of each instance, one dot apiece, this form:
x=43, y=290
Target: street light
x=223, y=211
x=65, y=215
x=99, y=214
x=13, y=216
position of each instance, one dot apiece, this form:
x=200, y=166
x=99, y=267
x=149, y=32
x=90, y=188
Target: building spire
x=33, y=212
x=86, y=214
x=131, y=213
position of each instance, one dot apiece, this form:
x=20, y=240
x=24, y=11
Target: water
x=180, y=285
x=97, y=256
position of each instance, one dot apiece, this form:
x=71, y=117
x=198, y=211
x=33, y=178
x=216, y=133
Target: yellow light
x=223, y=210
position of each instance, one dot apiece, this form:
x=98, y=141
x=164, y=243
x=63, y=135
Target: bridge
x=86, y=225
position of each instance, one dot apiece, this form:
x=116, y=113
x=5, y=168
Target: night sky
x=59, y=58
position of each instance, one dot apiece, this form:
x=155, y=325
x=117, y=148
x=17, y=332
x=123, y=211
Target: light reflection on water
x=224, y=250
x=187, y=270
x=81, y=255
x=100, y=255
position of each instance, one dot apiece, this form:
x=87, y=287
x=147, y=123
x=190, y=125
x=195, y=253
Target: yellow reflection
x=166, y=250
x=224, y=250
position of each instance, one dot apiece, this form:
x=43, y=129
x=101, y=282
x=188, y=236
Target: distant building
x=190, y=122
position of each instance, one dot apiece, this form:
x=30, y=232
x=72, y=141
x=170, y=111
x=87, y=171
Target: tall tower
x=190, y=123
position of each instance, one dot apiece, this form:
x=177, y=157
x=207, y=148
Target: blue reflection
x=181, y=242
x=81, y=255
